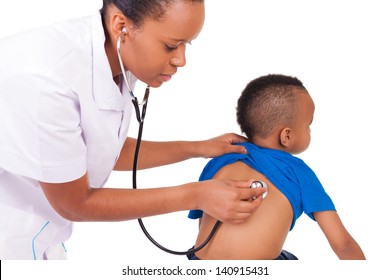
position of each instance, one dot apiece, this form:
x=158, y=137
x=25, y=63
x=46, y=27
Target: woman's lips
x=166, y=77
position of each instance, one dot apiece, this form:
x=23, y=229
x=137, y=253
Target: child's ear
x=286, y=137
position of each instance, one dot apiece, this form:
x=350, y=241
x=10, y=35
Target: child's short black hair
x=267, y=102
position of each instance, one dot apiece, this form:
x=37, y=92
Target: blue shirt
x=291, y=175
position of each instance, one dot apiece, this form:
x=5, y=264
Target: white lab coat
x=61, y=115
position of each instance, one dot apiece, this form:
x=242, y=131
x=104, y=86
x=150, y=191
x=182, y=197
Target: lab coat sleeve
x=41, y=134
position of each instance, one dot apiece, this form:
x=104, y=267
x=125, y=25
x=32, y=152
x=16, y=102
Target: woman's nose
x=179, y=57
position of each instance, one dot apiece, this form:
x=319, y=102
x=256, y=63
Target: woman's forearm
x=76, y=201
x=153, y=154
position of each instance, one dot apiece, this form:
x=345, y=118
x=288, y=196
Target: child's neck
x=270, y=142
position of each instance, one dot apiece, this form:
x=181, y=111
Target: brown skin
x=145, y=53
x=262, y=236
x=154, y=51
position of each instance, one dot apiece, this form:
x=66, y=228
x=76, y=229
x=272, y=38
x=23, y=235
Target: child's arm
x=342, y=243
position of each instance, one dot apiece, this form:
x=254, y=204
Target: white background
x=339, y=49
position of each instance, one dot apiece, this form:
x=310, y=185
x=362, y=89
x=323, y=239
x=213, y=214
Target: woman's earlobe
x=285, y=137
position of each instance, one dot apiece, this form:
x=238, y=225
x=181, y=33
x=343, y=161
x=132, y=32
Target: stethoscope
x=140, y=114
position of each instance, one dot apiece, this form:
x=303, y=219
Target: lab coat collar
x=106, y=92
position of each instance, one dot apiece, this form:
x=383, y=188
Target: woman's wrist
x=196, y=149
x=194, y=194
x=190, y=149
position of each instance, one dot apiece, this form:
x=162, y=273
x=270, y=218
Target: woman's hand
x=221, y=145
x=228, y=200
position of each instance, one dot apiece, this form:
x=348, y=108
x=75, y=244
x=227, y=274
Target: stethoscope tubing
x=141, y=117
x=145, y=231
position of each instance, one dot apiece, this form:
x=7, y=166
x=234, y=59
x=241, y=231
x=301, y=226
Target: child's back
x=260, y=237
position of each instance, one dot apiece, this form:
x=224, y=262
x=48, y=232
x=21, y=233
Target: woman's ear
x=286, y=137
x=117, y=24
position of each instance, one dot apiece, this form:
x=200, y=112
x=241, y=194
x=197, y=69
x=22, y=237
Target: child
x=275, y=112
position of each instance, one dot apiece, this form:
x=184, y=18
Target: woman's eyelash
x=170, y=48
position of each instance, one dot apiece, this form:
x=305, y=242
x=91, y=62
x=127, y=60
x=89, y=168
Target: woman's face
x=154, y=51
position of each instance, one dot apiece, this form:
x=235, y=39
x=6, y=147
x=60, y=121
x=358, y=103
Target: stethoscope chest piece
x=260, y=184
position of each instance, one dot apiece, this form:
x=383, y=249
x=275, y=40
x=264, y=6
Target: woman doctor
x=64, y=118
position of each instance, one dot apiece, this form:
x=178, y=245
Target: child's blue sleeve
x=195, y=214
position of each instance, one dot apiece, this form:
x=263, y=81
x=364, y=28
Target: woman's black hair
x=138, y=10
